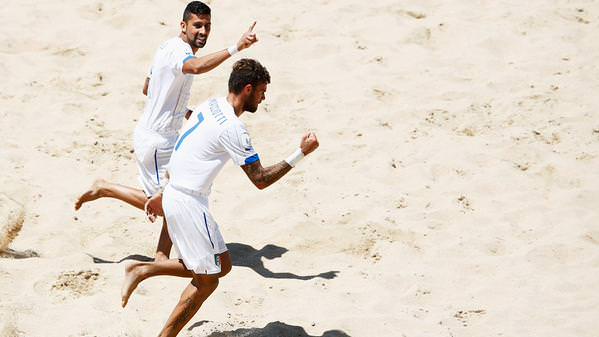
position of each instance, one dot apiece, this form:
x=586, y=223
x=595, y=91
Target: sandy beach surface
x=455, y=191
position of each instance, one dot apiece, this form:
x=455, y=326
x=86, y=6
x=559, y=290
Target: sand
x=454, y=193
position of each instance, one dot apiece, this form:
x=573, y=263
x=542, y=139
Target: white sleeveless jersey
x=212, y=135
x=168, y=90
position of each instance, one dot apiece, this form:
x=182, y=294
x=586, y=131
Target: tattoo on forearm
x=265, y=176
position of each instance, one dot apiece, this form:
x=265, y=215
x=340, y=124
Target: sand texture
x=455, y=191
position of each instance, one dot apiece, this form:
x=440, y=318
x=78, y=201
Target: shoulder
x=168, y=44
x=233, y=129
x=176, y=46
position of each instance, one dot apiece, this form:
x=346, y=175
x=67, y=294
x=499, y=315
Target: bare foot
x=133, y=275
x=92, y=194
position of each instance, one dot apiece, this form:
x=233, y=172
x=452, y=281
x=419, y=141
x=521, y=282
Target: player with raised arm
x=168, y=89
x=213, y=135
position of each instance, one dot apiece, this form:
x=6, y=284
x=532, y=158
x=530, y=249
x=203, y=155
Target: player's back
x=201, y=150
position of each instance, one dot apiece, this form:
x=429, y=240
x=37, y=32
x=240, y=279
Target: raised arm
x=208, y=62
x=263, y=177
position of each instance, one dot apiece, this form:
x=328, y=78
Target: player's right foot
x=93, y=193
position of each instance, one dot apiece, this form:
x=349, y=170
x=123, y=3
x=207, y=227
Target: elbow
x=260, y=185
x=198, y=70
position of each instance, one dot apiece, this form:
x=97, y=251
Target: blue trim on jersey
x=188, y=58
x=209, y=237
x=200, y=120
x=252, y=159
x=156, y=166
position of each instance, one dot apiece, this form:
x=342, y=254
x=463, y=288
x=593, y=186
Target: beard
x=250, y=104
x=250, y=107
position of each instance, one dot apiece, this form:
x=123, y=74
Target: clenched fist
x=309, y=143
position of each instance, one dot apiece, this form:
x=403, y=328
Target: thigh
x=205, y=282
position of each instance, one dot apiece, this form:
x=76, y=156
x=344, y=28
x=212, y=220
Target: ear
x=183, y=26
x=248, y=88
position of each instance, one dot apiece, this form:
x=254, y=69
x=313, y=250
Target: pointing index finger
x=252, y=26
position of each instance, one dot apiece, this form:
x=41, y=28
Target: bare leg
x=163, y=250
x=137, y=198
x=137, y=272
x=104, y=189
x=191, y=300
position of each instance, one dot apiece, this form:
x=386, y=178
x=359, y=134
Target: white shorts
x=153, y=153
x=193, y=231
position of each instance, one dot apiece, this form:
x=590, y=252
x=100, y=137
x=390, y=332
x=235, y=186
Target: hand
x=248, y=38
x=309, y=143
x=153, y=207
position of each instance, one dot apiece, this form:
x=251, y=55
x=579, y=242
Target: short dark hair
x=247, y=71
x=197, y=8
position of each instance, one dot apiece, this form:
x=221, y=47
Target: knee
x=205, y=283
x=225, y=264
x=224, y=270
x=211, y=284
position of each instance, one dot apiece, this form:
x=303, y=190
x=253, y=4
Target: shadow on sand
x=136, y=257
x=247, y=256
x=272, y=329
x=243, y=255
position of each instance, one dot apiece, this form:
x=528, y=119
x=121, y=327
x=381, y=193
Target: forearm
x=267, y=176
x=206, y=63
x=263, y=177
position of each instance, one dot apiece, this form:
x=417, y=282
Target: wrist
x=295, y=157
x=233, y=50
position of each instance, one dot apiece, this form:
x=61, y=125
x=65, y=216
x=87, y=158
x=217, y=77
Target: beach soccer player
x=168, y=89
x=213, y=135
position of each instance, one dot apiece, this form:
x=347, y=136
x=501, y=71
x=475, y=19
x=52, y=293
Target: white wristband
x=233, y=50
x=295, y=157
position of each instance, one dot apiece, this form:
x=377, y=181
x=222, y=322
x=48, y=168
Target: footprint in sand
x=592, y=237
x=465, y=316
x=549, y=140
x=465, y=203
x=579, y=15
x=75, y=283
x=69, y=52
x=420, y=36
x=373, y=234
x=10, y=328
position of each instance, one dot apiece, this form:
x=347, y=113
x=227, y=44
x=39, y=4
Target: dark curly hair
x=247, y=71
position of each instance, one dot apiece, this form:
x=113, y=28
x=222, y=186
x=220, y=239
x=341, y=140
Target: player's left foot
x=133, y=275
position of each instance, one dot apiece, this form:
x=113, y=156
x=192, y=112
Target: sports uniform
x=157, y=130
x=213, y=135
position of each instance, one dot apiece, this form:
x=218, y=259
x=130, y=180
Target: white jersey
x=212, y=136
x=168, y=90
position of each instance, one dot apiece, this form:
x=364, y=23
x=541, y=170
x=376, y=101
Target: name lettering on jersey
x=218, y=115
